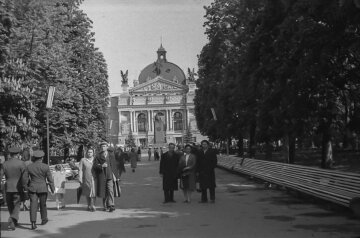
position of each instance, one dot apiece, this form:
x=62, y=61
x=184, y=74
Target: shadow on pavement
x=329, y=227
x=123, y=226
x=23, y=226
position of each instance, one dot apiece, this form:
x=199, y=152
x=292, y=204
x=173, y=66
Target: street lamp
x=49, y=101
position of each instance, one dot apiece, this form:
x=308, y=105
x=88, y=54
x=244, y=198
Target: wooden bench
x=338, y=187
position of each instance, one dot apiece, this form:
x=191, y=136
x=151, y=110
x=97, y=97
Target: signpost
x=49, y=101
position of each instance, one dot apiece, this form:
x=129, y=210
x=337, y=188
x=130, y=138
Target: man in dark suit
x=16, y=183
x=206, y=167
x=40, y=177
x=106, y=169
x=168, y=170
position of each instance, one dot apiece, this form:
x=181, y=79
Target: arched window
x=178, y=124
x=141, y=122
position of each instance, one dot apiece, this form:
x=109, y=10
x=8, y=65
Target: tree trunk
x=326, y=150
x=292, y=144
x=240, y=145
x=289, y=149
x=44, y=148
x=252, y=147
x=268, y=150
x=228, y=142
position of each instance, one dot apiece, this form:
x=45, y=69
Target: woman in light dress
x=59, y=183
x=187, y=170
x=86, y=179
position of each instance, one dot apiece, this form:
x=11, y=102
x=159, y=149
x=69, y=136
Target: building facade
x=159, y=109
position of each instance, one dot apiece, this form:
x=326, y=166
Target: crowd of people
x=99, y=177
x=191, y=166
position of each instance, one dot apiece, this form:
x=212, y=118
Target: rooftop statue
x=124, y=77
x=192, y=75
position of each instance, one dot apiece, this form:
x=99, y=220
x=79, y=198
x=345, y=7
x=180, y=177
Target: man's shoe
x=43, y=222
x=173, y=201
x=33, y=226
x=105, y=209
x=165, y=201
x=212, y=201
x=112, y=209
x=11, y=225
x=203, y=201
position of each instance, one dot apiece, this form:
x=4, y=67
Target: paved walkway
x=242, y=209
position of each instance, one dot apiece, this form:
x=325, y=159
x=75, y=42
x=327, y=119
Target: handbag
x=24, y=195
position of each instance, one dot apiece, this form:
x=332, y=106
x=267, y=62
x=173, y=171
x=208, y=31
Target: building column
x=120, y=132
x=151, y=120
x=135, y=119
x=171, y=120
x=167, y=120
x=148, y=120
x=133, y=122
x=187, y=117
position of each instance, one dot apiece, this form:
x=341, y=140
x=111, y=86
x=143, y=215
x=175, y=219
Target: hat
x=103, y=143
x=38, y=154
x=14, y=150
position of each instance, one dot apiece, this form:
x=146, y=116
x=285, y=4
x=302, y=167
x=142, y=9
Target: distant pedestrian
x=59, y=184
x=86, y=179
x=168, y=170
x=107, y=174
x=187, y=170
x=149, y=154
x=40, y=176
x=139, y=154
x=206, y=168
x=120, y=157
x=156, y=154
x=133, y=159
x=16, y=177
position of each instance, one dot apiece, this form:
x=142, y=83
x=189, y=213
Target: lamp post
x=49, y=101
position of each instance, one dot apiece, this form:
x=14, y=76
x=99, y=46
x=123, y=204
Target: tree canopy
x=47, y=43
x=280, y=70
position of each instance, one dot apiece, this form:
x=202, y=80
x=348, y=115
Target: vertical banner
x=159, y=130
x=50, y=97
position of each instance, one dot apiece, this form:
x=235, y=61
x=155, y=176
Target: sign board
x=50, y=97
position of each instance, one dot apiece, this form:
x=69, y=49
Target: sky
x=129, y=32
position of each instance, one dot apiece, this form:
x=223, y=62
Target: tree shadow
x=115, y=227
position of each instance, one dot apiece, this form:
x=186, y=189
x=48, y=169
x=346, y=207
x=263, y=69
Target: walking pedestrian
x=168, y=170
x=40, y=176
x=133, y=159
x=149, y=154
x=187, y=170
x=161, y=151
x=120, y=157
x=16, y=177
x=86, y=179
x=206, y=167
x=106, y=173
x=156, y=154
x=139, y=154
x=59, y=178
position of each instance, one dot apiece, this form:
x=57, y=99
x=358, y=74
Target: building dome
x=162, y=68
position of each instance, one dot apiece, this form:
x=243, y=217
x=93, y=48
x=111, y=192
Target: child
x=59, y=182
